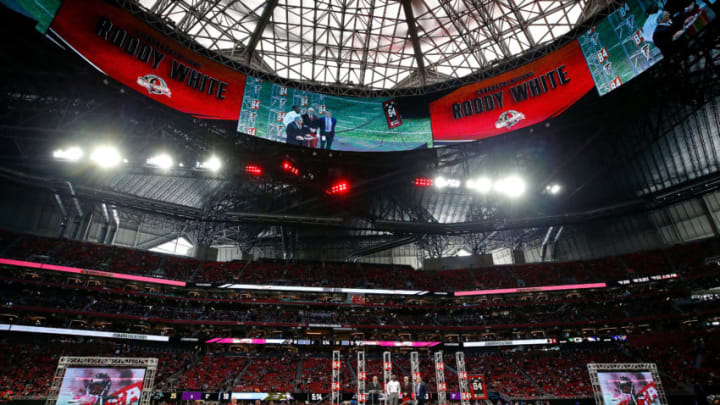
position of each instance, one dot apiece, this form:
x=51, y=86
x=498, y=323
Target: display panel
x=622, y=387
x=89, y=272
x=322, y=289
x=531, y=289
x=42, y=11
x=262, y=396
x=82, y=332
x=634, y=37
x=358, y=124
x=515, y=342
x=121, y=46
x=626, y=383
x=101, y=386
x=515, y=99
x=303, y=342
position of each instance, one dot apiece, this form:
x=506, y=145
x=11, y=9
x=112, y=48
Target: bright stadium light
x=161, y=161
x=511, y=186
x=213, y=164
x=71, y=154
x=553, y=188
x=106, y=156
x=482, y=185
x=442, y=182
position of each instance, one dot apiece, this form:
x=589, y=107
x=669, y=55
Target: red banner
x=131, y=52
x=519, y=98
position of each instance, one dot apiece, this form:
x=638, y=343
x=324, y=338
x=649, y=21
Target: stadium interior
x=252, y=269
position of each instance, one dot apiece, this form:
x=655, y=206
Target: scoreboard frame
x=471, y=383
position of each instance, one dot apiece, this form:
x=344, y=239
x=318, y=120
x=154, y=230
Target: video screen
x=353, y=123
x=638, y=35
x=101, y=386
x=628, y=388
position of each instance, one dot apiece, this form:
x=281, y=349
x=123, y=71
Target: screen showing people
x=323, y=121
x=628, y=388
x=669, y=21
x=101, y=386
x=308, y=129
x=637, y=35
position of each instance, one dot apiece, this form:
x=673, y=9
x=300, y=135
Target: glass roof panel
x=368, y=42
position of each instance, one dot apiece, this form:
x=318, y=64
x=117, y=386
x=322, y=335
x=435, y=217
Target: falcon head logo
x=509, y=119
x=154, y=84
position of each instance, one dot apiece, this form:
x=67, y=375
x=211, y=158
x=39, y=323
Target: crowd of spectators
x=272, y=373
x=27, y=368
x=212, y=373
x=687, y=259
x=30, y=297
x=685, y=359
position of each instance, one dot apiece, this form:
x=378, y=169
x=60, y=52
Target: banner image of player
x=101, y=386
x=637, y=35
x=515, y=99
x=362, y=124
x=123, y=47
x=392, y=115
x=478, y=389
x=628, y=388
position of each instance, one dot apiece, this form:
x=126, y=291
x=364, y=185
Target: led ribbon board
x=531, y=289
x=82, y=332
x=322, y=289
x=517, y=342
x=88, y=272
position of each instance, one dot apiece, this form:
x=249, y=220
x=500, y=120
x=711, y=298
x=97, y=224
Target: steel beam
x=412, y=29
x=259, y=28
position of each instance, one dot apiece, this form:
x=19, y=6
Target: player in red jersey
x=626, y=394
x=97, y=392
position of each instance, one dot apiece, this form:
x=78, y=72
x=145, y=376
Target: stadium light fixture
x=511, y=186
x=288, y=167
x=71, y=154
x=254, y=170
x=553, y=188
x=482, y=185
x=106, y=156
x=340, y=187
x=439, y=182
x=213, y=164
x=161, y=161
x=442, y=182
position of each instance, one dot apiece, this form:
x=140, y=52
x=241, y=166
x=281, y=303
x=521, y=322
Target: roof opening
x=179, y=247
